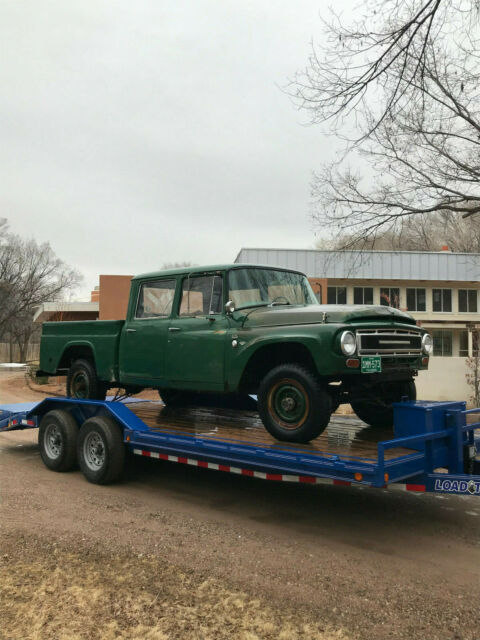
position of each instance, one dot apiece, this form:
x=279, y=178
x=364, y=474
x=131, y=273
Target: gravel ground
x=176, y=552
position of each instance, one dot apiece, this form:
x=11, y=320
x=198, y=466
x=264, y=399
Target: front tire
x=293, y=405
x=83, y=382
x=100, y=450
x=57, y=439
x=375, y=408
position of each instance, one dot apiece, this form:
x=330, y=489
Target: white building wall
x=444, y=380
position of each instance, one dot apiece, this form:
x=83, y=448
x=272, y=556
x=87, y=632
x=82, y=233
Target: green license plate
x=371, y=364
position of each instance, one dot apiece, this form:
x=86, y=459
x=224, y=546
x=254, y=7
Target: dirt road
x=306, y=562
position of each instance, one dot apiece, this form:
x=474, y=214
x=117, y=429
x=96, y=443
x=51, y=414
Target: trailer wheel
x=375, y=408
x=292, y=403
x=83, y=382
x=57, y=439
x=100, y=450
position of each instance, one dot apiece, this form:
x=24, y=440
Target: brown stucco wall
x=320, y=284
x=113, y=299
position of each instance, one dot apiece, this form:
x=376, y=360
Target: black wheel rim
x=80, y=385
x=288, y=403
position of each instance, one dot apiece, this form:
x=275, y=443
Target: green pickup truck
x=240, y=330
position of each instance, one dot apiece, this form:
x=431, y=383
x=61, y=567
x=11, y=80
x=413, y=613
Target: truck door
x=197, y=335
x=144, y=337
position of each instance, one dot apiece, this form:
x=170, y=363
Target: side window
x=201, y=296
x=155, y=299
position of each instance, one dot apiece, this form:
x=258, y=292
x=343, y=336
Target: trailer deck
x=346, y=437
x=428, y=449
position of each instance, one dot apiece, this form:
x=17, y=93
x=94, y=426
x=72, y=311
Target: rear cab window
x=155, y=299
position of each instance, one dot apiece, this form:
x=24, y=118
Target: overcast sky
x=138, y=133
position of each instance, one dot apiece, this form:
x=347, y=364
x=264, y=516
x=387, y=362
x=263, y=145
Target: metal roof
x=372, y=265
x=47, y=308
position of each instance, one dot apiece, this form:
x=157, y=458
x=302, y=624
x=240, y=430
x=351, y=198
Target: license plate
x=371, y=364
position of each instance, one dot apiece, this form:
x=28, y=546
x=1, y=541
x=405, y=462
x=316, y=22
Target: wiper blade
x=253, y=306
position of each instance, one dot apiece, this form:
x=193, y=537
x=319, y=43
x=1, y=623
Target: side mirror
x=229, y=307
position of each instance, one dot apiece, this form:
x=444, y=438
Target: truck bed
x=100, y=338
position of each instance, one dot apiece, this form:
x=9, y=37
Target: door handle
x=172, y=329
x=131, y=330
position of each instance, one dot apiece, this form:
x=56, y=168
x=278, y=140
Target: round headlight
x=427, y=344
x=348, y=343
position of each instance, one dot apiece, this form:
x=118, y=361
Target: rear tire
x=57, y=439
x=83, y=382
x=293, y=405
x=376, y=407
x=100, y=450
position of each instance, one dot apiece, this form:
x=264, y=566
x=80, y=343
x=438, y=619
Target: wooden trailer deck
x=346, y=436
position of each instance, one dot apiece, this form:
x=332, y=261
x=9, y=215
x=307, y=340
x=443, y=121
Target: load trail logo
x=458, y=486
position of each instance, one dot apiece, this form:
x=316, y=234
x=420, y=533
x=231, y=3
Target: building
x=439, y=289
x=108, y=301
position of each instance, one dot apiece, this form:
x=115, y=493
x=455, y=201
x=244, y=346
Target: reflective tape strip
x=276, y=477
x=419, y=488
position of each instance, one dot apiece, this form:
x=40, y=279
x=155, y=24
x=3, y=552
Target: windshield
x=250, y=287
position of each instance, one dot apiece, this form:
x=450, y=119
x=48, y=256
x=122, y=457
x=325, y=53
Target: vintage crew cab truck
x=239, y=330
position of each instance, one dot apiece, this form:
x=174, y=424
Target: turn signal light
x=358, y=476
x=353, y=363
x=386, y=477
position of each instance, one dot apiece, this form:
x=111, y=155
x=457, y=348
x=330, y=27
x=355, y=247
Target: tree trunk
x=23, y=347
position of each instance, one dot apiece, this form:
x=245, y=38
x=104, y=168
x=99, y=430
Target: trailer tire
x=57, y=439
x=100, y=450
x=83, y=382
x=293, y=404
x=376, y=408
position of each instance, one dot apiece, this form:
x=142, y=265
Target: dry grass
x=49, y=591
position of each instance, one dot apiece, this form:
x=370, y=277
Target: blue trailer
x=434, y=446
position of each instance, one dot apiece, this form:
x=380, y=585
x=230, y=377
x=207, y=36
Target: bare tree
x=401, y=86
x=473, y=371
x=21, y=330
x=418, y=233
x=30, y=274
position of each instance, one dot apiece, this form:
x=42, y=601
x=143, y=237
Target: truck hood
x=324, y=314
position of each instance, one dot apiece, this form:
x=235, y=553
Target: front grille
x=389, y=342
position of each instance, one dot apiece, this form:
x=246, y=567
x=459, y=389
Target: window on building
x=155, y=299
x=442, y=342
x=337, y=295
x=362, y=295
x=467, y=300
x=442, y=299
x=201, y=296
x=390, y=297
x=463, y=344
x=416, y=300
